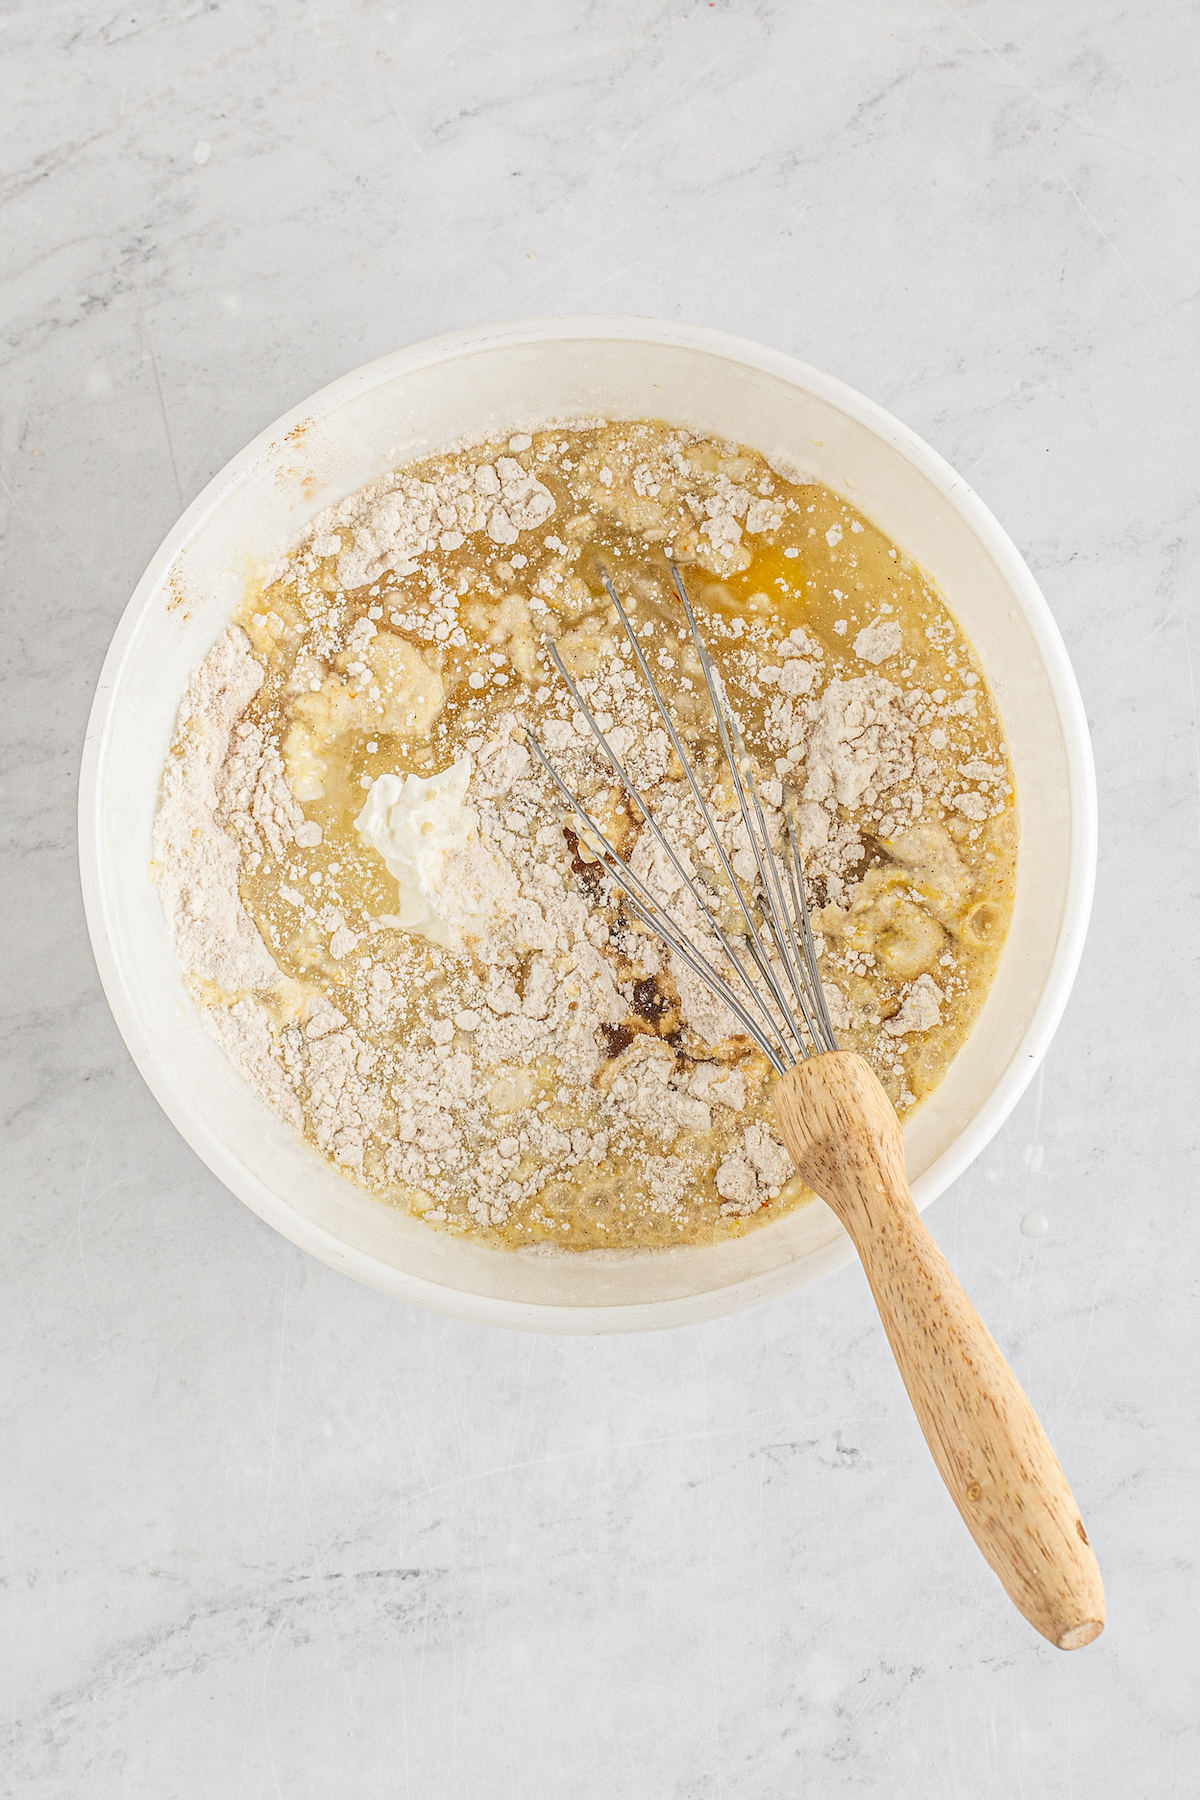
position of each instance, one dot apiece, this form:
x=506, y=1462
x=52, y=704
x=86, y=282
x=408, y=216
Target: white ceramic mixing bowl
x=407, y=405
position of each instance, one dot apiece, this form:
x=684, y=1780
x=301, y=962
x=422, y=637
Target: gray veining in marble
x=263, y=1532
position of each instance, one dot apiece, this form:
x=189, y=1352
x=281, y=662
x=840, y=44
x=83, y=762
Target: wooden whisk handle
x=986, y=1439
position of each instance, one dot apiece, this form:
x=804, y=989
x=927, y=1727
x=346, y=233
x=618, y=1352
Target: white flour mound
x=400, y=519
x=197, y=858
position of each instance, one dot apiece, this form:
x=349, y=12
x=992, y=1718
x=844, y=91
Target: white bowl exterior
x=409, y=404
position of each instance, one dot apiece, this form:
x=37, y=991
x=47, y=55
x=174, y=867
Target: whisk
x=845, y=1140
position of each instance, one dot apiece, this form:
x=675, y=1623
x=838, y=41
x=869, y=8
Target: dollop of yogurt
x=428, y=837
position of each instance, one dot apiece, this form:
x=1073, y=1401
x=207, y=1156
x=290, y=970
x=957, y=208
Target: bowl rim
x=1060, y=676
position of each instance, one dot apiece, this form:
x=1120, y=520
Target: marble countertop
x=264, y=1532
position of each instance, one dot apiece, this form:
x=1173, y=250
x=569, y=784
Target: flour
x=859, y=753
x=392, y=525
x=333, y=1064
x=753, y=1174
x=644, y=1088
x=244, y=1033
x=538, y=1061
x=197, y=858
x=860, y=744
x=227, y=789
x=879, y=642
x=668, y=1180
x=254, y=798
x=724, y=510
x=921, y=1010
x=713, y=1083
x=709, y=1017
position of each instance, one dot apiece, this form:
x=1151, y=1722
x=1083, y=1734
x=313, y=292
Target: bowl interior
x=405, y=406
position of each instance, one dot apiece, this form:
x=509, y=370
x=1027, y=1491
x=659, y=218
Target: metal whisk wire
x=768, y=1018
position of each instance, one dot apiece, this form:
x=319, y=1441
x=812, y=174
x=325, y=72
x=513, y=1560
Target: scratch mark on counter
x=274, y=1435
x=1187, y=645
x=1016, y=1732
x=162, y=405
x=521, y=1404
x=678, y=95
x=542, y=1462
x=603, y=281
x=1061, y=1408
x=713, y=1658
x=412, y=1436
x=424, y=155
x=266, y=1715
x=16, y=501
